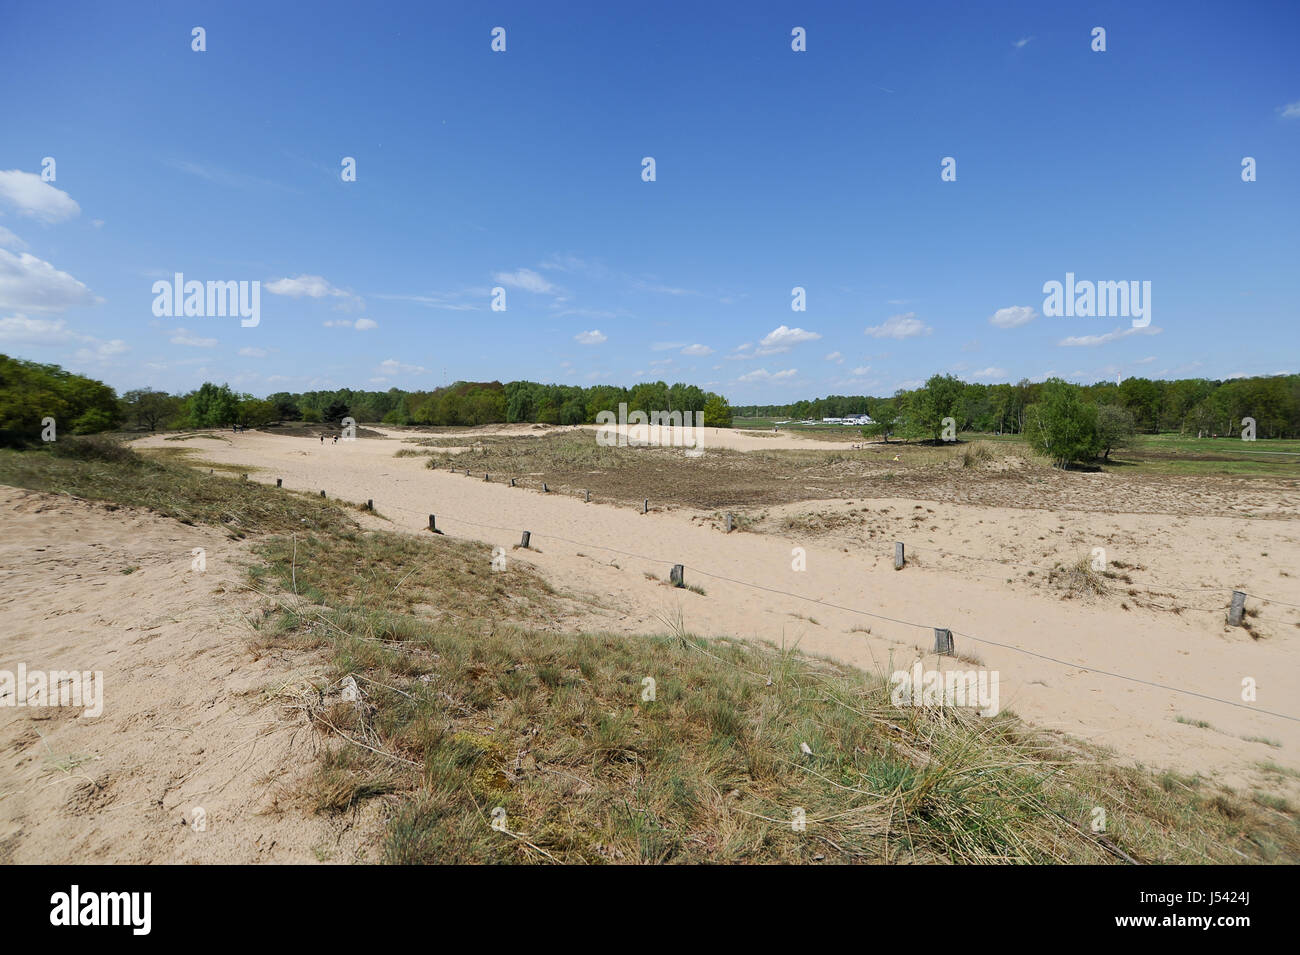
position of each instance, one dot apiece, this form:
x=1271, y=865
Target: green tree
x=1061, y=425
x=717, y=413
x=1115, y=428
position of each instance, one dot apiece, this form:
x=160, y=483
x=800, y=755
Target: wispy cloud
x=1108, y=337
x=1013, y=317
x=593, y=337
x=183, y=336
x=525, y=279
x=762, y=374
x=314, y=286
x=900, y=326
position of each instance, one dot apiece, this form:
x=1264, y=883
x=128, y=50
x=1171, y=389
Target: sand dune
x=1051, y=678
x=188, y=717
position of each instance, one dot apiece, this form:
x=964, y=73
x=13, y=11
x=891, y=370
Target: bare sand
x=1053, y=655
x=192, y=717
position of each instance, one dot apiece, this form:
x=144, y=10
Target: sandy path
x=1193, y=651
x=186, y=719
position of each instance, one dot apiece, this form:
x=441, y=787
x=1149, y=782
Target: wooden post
x=898, y=555
x=523, y=541
x=433, y=524
x=943, y=641
x=645, y=507
x=322, y=493
x=487, y=477
x=279, y=482
x=588, y=494
x=370, y=504
x=677, y=576
x=731, y=522
x=545, y=489
x=1237, y=610
x=512, y=482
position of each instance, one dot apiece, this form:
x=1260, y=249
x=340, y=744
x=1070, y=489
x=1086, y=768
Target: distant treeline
x=1187, y=405
x=30, y=392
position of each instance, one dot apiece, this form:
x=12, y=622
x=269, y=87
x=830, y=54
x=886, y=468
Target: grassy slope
x=470, y=699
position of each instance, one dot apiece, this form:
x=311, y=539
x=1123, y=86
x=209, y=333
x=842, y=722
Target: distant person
x=322, y=439
x=336, y=439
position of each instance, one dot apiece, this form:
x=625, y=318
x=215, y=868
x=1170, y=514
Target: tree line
x=30, y=391
x=1186, y=406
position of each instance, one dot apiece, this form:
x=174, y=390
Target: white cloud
x=21, y=330
x=782, y=339
x=392, y=366
x=860, y=371
x=762, y=374
x=900, y=326
x=310, y=286
x=365, y=324
x=593, y=337
x=1108, y=337
x=10, y=241
x=995, y=374
x=1022, y=42
x=32, y=196
x=700, y=350
x=525, y=279
x=836, y=357
x=184, y=336
x=1013, y=317
x=101, y=351
x=1291, y=110
x=27, y=282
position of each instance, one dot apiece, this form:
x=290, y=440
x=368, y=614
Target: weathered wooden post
x=370, y=504
x=1237, y=610
x=588, y=496
x=731, y=522
x=943, y=641
x=898, y=555
x=523, y=541
x=512, y=482
x=645, y=507
x=677, y=576
x=487, y=477
x=433, y=524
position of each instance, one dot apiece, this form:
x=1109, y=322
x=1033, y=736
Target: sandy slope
x=187, y=720
x=589, y=547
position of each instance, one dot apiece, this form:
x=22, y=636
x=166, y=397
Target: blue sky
x=774, y=169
